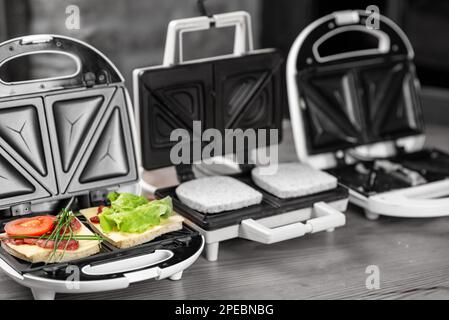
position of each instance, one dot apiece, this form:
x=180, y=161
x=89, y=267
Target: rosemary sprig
x=64, y=220
x=62, y=231
x=70, y=238
x=63, y=223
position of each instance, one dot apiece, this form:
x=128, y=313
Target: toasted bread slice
x=124, y=240
x=36, y=254
x=217, y=194
x=293, y=180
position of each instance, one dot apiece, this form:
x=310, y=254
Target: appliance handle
x=172, y=268
x=327, y=218
x=241, y=20
x=303, y=53
x=426, y=201
x=92, y=67
x=383, y=47
x=147, y=266
x=159, y=264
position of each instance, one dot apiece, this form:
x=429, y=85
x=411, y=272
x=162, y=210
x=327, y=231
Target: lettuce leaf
x=113, y=196
x=127, y=201
x=133, y=214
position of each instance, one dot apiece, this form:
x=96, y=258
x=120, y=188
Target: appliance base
x=214, y=237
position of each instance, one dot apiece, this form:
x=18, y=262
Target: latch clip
x=21, y=209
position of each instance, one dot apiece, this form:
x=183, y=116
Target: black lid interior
x=357, y=100
x=242, y=92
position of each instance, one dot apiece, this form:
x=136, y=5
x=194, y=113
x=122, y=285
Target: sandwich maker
x=355, y=110
x=238, y=91
x=71, y=139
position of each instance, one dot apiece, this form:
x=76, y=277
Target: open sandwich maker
x=355, y=110
x=238, y=91
x=73, y=137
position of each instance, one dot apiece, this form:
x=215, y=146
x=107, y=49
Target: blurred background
x=132, y=33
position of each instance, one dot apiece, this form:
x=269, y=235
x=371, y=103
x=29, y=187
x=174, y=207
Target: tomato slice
x=31, y=227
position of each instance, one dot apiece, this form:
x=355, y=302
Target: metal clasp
x=21, y=209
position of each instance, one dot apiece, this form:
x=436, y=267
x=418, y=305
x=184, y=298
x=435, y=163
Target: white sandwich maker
x=238, y=91
x=73, y=137
x=356, y=111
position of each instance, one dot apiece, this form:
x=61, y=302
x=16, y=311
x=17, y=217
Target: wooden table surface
x=412, y=256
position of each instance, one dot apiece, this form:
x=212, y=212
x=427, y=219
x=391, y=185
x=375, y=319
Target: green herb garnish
x=63, y=231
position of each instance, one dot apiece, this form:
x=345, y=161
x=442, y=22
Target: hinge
x=21, y=209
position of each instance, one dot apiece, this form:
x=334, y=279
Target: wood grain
x=412, y=255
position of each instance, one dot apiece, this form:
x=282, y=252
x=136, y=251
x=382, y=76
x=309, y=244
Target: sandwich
x=132, y=220
x=49, y=239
